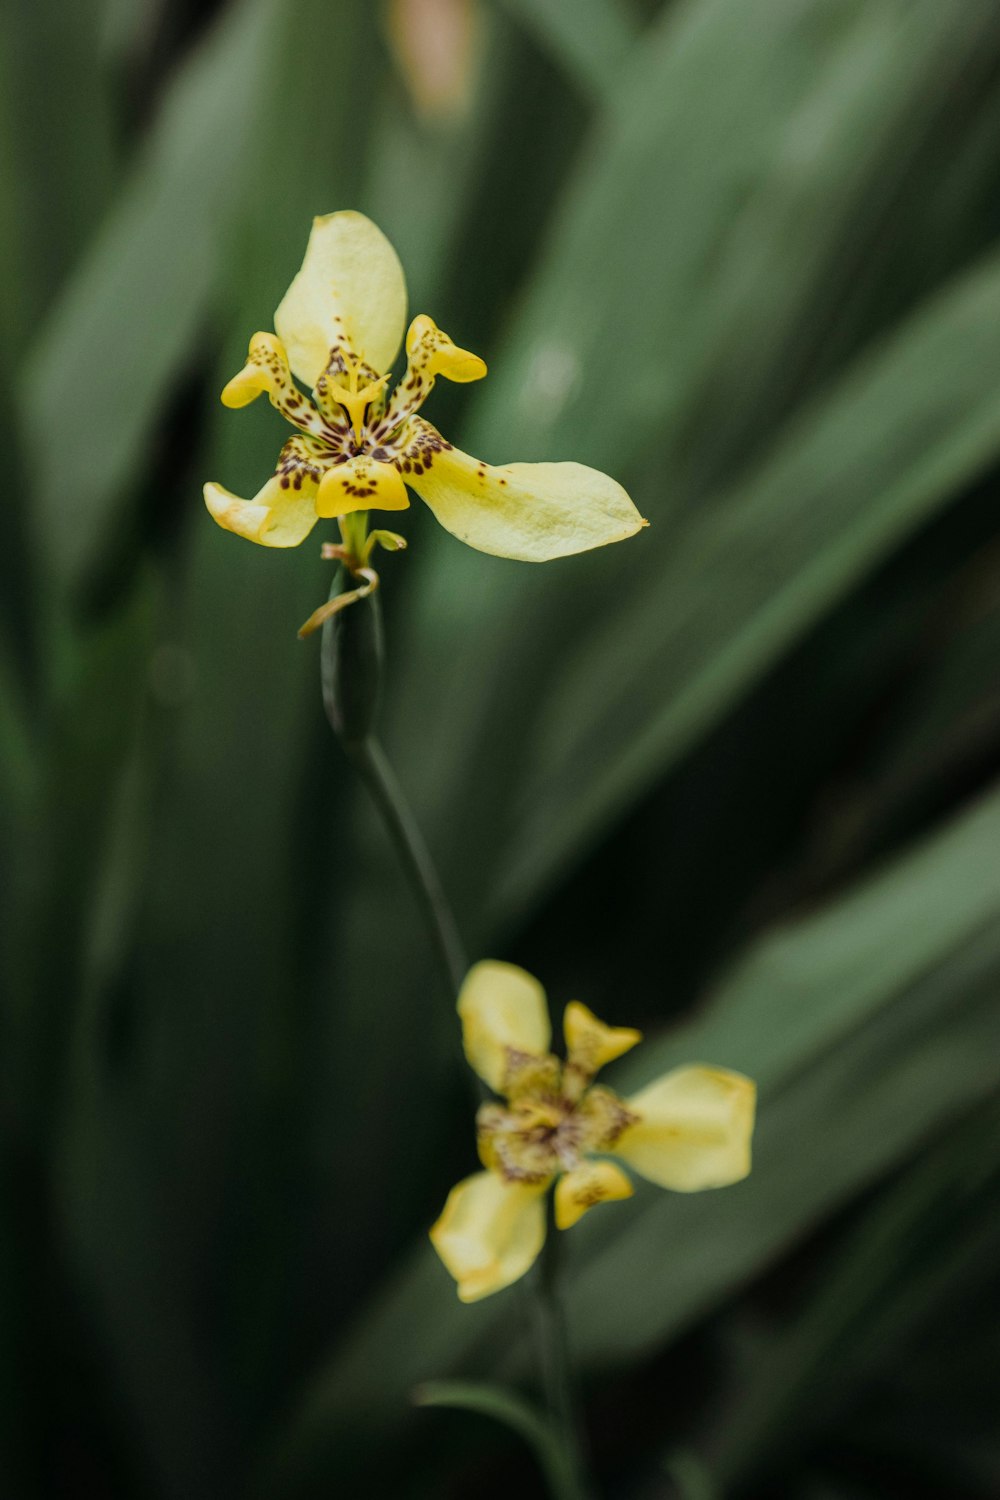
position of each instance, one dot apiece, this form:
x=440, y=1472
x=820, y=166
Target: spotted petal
x=590, y=1183
x=349, y=292
x=692, y=1130
x=277, y=516
x=533, y=512
x=589, y=1043
x=266, y=369
x=489, y=1233
x=360, y=484
x=504, y=1018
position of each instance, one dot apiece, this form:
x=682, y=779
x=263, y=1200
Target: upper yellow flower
x=339, y=328
x=688, y=1130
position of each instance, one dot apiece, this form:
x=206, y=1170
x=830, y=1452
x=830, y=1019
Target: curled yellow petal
x=432, y=352
x=279, y=515
x=533, y=512
x=267, y=370
x=504, y=1019
x=246, y=385
x=349, y=294
x=589, y=1043
x=693, y=1129
x=590, y=1183
x=360, y=484
x=489, y=1233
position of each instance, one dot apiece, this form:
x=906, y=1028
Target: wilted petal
x=350, y=292
x=693, y=1129
x=489, y=1233
x=532, y=512
x=504, y=1018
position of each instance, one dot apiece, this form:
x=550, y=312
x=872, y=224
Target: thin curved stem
x=375, y=771
x=504, y=1406
x=568, y=1479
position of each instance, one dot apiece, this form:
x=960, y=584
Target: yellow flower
x=688, y=1130
x=358, y=447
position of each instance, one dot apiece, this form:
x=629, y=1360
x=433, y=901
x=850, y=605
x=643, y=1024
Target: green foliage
x=733, y=781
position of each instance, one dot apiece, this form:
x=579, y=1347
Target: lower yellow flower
x=687, y=1131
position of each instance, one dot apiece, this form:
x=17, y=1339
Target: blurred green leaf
x=117, y=339
x=591, y=38
x=57, y=152
x=200, y=1052
x=750, y=137
x=870, y=461
x=918, y=1246
x=512, y=1411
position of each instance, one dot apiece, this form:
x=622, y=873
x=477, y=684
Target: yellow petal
x=360, y=484
x=267, y=370
x=489, y=1233
x=533, y=512
x=431, y=351
x=279, y=515
x=246, y=385
x=693, y=1129
x=589, y=1043
x=504, y=1017
x=589, y=1183
x=350, y=291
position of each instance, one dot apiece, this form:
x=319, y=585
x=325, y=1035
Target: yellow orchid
x=357, y=448
x=687, y=1131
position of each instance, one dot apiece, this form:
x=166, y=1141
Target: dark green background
x=733, y=780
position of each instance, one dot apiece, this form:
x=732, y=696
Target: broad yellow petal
x=360, y=484
x=489, y=1233
x=589, y=1043
x=279, y=515
x=533, y=512
x=693, y=1129
x=350, y=293
x=504, y=1019
x=591, y=1182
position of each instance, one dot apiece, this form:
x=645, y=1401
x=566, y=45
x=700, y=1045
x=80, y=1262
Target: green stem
x=352, y=668
x=377, y=774
x=556, y=1365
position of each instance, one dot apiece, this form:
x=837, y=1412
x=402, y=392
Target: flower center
x=543, y=1132
x=356, y=401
